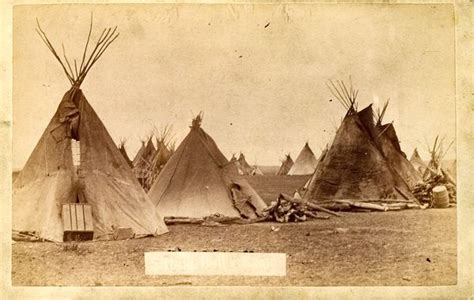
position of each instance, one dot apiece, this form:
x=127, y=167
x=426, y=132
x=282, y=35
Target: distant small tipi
x=244, y=165
x=417, y=162
x=121, y=147
x=305, y=163
x=286, y=165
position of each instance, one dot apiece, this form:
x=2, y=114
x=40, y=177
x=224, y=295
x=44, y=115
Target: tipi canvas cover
x=417, y=162
x=142, y=164
x=450, y=166
x=256, y=171
x=163, y=151
x=124, y=153
x=396, y=158
x=139, y=154
x=144, y=157
x=244, y=165
x=161, y=157
x=103, y=178
x=387, y=139
x=305, y=163
x=285, y=165
x=354, y=167
x=236, y=164
x=198, y=181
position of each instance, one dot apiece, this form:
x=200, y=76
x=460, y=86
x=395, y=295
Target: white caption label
x=215, y=263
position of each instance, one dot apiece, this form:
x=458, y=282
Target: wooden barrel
x=440, y=197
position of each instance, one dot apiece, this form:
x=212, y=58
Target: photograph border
x=465, y=205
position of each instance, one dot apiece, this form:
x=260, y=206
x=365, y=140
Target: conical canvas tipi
x=354, y=166
x=305, y=163
x=236, y=164
x=142, y=163
x=144, y=155
x=124, y=153
x=244, y=165
x=199, y=181
x=139, y=154
x=286, y=165
x=102, y=179
x=390, y=146
x=417, y=162
x=162, y=155
x=256, y=171
x=450, y=166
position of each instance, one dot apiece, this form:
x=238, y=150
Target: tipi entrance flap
x=254, y=199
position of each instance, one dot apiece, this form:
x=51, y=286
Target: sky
x=258, y=72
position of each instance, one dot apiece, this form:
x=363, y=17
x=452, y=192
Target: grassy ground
x=410, y=247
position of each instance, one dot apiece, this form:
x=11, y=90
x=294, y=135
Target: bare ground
x=410, y=247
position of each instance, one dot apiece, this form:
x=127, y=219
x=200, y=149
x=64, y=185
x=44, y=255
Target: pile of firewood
x=424, y=191
x=434, y=175
x=289, y=209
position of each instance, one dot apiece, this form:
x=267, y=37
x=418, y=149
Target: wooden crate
x=77, y=222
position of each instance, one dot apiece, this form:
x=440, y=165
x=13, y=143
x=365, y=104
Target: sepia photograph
x=258, y=145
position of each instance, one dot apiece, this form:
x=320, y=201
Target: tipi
x=450, y=166
x=354, y=166
x=139, y=154
x=435, y=165
x=236, y=164
x=199, y=181
x=302, y=190
x=417, y=162
x=390, y=146
x=256, y=171
x=286, y=165
x=101, y=178
x=244, y=165
x=162, y=155
x=124, y=153
x=142, y=163
x=305, y=163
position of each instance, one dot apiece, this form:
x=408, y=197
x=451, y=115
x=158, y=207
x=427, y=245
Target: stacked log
x=214, y=218
x=379, y=205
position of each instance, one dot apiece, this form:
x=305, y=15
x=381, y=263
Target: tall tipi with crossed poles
x=101, y=177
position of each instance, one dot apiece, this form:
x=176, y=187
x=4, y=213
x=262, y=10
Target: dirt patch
x=411, y=247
